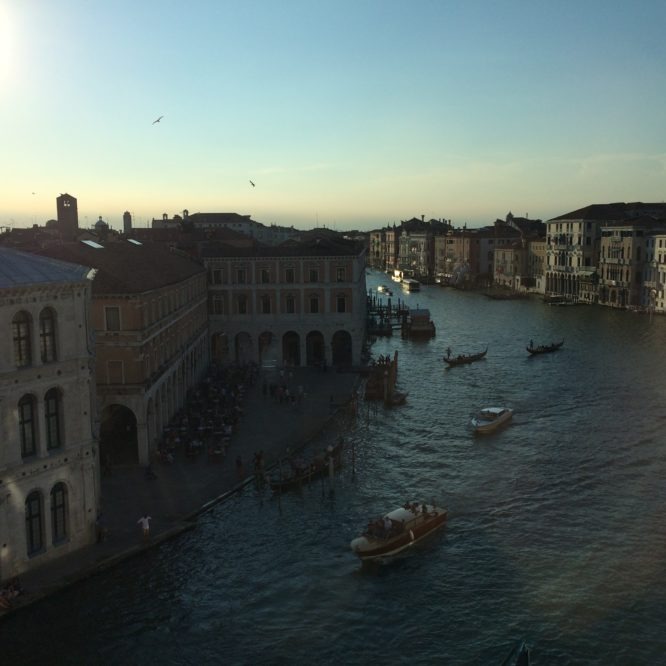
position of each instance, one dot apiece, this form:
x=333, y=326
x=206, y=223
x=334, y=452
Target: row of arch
x=290, y=348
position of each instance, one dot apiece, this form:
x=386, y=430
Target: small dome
x=101, y=224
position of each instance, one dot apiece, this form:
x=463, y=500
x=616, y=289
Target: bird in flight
x=158, y=120
x=251, y=183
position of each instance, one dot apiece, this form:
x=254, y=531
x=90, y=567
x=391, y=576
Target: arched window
x=52, y=409
x=21, y=333
x=27, y=425
x=34, y=523
x=47, y=335
x=59, y=512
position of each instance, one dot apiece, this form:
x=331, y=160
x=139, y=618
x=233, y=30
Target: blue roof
x=22, y=268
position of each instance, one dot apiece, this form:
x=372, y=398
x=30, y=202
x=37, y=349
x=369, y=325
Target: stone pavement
x=188, y=487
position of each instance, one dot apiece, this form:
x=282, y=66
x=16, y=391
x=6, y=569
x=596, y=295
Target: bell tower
x=68, y=216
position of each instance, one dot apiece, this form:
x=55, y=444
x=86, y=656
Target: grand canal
x=555, y=534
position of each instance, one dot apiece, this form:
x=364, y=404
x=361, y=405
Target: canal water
x=555, y=533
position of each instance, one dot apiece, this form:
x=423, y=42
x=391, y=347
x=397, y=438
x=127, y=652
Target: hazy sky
x=346, y=114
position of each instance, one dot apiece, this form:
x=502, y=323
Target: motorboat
x=301, y=472
x=398, y=530
x=490, y=419
x=383, y=289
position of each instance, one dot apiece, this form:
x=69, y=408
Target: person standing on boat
x=448, y=352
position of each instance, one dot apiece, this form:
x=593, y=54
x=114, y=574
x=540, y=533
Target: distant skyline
x=346, y=114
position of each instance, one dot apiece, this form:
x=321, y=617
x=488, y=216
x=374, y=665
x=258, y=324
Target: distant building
x=49, y=461
x=574, y=245
x=127, y=223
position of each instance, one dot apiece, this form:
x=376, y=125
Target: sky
x=345, y=114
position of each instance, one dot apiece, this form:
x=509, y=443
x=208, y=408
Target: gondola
x=543, y=349
x=519, y=656
x=461, y=359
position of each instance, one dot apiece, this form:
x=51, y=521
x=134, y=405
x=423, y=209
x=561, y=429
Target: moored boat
x=398, y=530
x=383, y=289
x=543, y=349
x=490, y=419
x=418, y=324
x=461, y=359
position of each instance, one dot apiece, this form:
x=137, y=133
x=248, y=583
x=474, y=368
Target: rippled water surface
x=555, y=533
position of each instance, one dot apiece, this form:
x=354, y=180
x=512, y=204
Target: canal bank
x=184, y=489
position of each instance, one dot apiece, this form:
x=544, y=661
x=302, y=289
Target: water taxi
x=490, y=419
x=398, y=530
x=410, y=284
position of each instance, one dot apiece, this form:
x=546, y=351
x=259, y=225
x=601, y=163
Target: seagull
x=158, y=120
x=251, y=183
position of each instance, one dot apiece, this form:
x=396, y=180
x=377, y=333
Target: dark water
x=555, y=535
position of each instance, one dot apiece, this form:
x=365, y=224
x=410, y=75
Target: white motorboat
x=491, y=418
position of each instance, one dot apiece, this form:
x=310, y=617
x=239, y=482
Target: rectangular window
x=242, y=304
x=290, y=275
x=265, y=305
x=115, y=371
x=313, y=275
x=27, y=427
x=59, y=513
x=217, y=307
x=291, y=305
x=112, y=318
x=21, y=334
x=314, y=304
x=340, y=274
x=240, y=276
x=265, y=276
x=33, y=523
x=47, y=336
x=52, y=419
x=341, y=302
x=216, y=276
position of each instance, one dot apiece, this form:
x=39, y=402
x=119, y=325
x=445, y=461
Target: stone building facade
x=49, y=460
x=298, y=304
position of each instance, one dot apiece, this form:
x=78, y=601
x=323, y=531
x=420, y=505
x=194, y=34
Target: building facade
x=300, y=304
x=149, y=314
x=49, y=459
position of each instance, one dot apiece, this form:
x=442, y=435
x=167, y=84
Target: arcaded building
x=49, y=458
x=297, y=304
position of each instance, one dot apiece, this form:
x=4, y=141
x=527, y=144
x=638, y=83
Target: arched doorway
x=341, y=348
x=314, y=349
x=219, y=345
x=291, y=349
x=243, y=348
x=117, y=436
x=269, y=351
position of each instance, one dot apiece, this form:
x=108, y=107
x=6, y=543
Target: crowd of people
x=210, y=415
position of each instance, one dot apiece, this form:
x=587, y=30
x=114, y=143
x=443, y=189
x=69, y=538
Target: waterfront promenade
x=187, y=487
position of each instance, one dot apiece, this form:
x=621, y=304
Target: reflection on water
x=555, y=530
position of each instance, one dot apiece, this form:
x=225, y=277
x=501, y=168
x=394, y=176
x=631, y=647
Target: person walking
x=144, y=521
